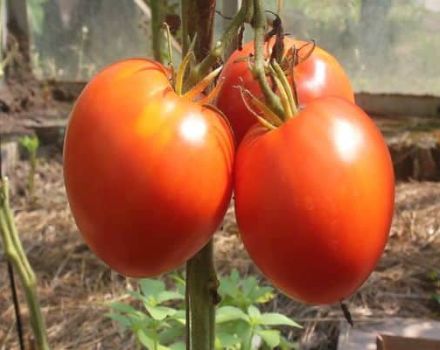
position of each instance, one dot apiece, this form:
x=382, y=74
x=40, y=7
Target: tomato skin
x=317, y=76
x=148, y=174
x=314, y=200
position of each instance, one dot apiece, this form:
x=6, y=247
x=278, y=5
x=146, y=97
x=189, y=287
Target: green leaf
x=31, y=144
x=124, y=308
x=159, y=313
x=178, y=346
x=227, y=287
x=136, y=295
x=271, y=337
x=180, y=316
x=249, y=284
x=173, y=333
x=150, y=287
x=253, y=312
x=287, y=345
x=263, y=295
x=168, y=295
x=230, y=313
x=226, y=340
x=122, y=320
x=275, y=319
x=437, y=298
x=145, y=339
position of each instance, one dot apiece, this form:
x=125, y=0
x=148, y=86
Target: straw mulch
x=74, y=286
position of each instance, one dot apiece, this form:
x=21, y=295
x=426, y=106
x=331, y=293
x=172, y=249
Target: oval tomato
x=318, y=75
x=147, y=172
x=314, y=200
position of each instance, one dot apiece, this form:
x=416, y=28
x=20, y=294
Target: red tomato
x=317, y=76
x=147, y=173
x=314, y=200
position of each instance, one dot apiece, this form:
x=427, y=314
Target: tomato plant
x=147, y=172
x=314, y=200
x=317, y=75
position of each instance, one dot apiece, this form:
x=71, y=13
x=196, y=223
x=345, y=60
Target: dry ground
x=74, y=286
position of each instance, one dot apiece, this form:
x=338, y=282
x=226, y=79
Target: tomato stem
x=15, y=254
x=259, y=25
x=201, y=279
x=244, y=15
x=166, y=28
x=286, y=87
x=157, y=18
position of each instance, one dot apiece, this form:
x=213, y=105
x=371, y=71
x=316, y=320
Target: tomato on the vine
x=314, y=200
x=148, y=173
x=317, y=75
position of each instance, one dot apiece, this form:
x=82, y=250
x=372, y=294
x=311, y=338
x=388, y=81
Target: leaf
x=159, y=313
x=144, y=339
x=271, y=337
x=226, y=340
x=136, y=295
x=180, y=316
x=275, y=319
x=178, y=346
x=151, y=287
x=249, y=284
x=168, y=295
x=263, y=295
x=230, y=313
x=124, y=308
x=122, y=320
x=253, y=312
x=173, y=333
x=227, y=287
x=287, y=345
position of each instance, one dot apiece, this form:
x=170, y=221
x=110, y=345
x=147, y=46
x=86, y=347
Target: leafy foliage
x=240, y=324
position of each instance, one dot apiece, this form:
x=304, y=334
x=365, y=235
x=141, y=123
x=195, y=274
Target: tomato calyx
x=288, y=97
x=197, y=92
x=274, y=69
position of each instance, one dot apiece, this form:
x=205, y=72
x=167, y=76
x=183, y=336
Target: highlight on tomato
x=148, y=172
x=315, y=71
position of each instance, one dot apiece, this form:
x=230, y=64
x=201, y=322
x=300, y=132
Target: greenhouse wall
x=387, y=46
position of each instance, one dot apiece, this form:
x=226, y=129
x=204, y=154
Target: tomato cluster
x=149, y=175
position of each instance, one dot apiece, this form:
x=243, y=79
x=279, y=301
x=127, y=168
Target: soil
x=75, y=287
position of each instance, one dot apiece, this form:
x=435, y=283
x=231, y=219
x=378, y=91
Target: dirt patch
x=74, y=286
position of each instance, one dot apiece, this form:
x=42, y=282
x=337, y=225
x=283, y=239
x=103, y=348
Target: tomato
x=314, y=200
x=148, y=173
x=317, y=76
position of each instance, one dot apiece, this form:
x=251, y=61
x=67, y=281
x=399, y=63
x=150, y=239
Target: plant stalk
x=259, y=25
x=157, y=18
x=201, y=279
x=15, y=254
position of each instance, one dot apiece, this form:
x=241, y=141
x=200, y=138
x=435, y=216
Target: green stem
x=201, y=279
x=244, y=15
x=259, y=24
x=248, y=345
x=15, y=254
x=157, y=19
x=201, y=291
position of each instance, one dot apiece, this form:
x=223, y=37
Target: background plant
x=31, y=144
x=240, y=323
